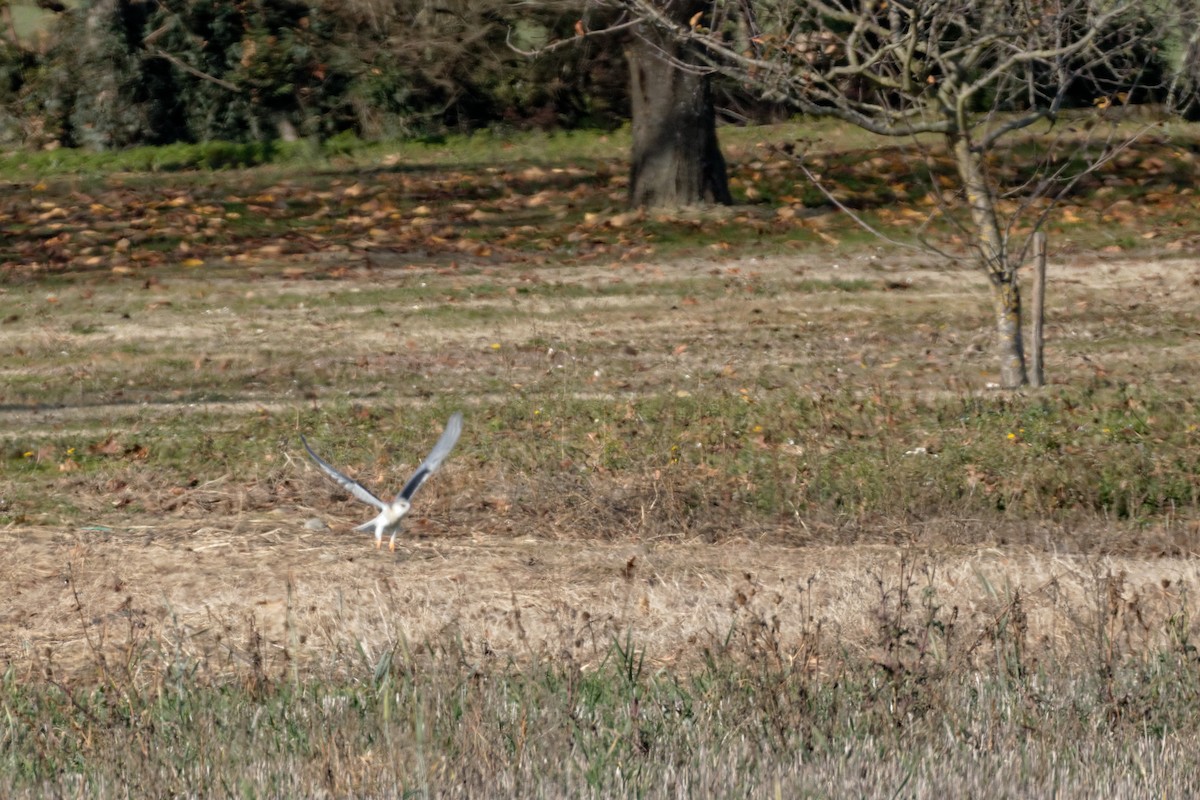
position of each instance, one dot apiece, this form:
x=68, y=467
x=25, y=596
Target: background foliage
x=110, y=74
x=116, y=73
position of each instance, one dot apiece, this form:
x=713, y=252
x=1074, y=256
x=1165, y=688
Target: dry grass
x=316, y=599
x=577, y=668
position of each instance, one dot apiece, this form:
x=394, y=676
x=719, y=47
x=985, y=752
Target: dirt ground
x=223, y=586
x=320, y=596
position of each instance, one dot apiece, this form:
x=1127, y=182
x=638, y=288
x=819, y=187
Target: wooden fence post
x=1037, y=377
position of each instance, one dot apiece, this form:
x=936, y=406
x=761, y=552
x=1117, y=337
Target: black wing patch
x=435, y=458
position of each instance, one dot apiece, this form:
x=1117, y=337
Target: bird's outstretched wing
x=353, y=487
x=435, y=458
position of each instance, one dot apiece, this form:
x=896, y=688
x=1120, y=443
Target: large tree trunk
x=676, y=158
x=1184, y=94
x=994, y=258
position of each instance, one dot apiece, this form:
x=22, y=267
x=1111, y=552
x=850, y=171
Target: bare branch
x=224, y=84
x=858, y=220
x=608, y=30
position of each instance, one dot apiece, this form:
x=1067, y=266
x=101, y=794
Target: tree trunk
x=10, y=26
x=1184, y=94
x=676, y=158
x=991, y=246
x=1006, y=300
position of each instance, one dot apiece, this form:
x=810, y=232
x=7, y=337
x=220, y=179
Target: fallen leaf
x=109, y=447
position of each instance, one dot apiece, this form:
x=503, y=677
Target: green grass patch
x=719, y=463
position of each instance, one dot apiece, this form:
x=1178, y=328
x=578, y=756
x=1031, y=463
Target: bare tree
x=972, y=72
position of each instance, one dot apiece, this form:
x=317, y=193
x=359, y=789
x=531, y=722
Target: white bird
x=390, y=514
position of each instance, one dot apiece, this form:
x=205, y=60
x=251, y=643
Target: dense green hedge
x=117, y=73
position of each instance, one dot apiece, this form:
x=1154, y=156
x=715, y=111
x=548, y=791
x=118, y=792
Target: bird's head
x=397, y=510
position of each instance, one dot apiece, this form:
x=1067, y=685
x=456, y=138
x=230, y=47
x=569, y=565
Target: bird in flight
x=391, y=514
